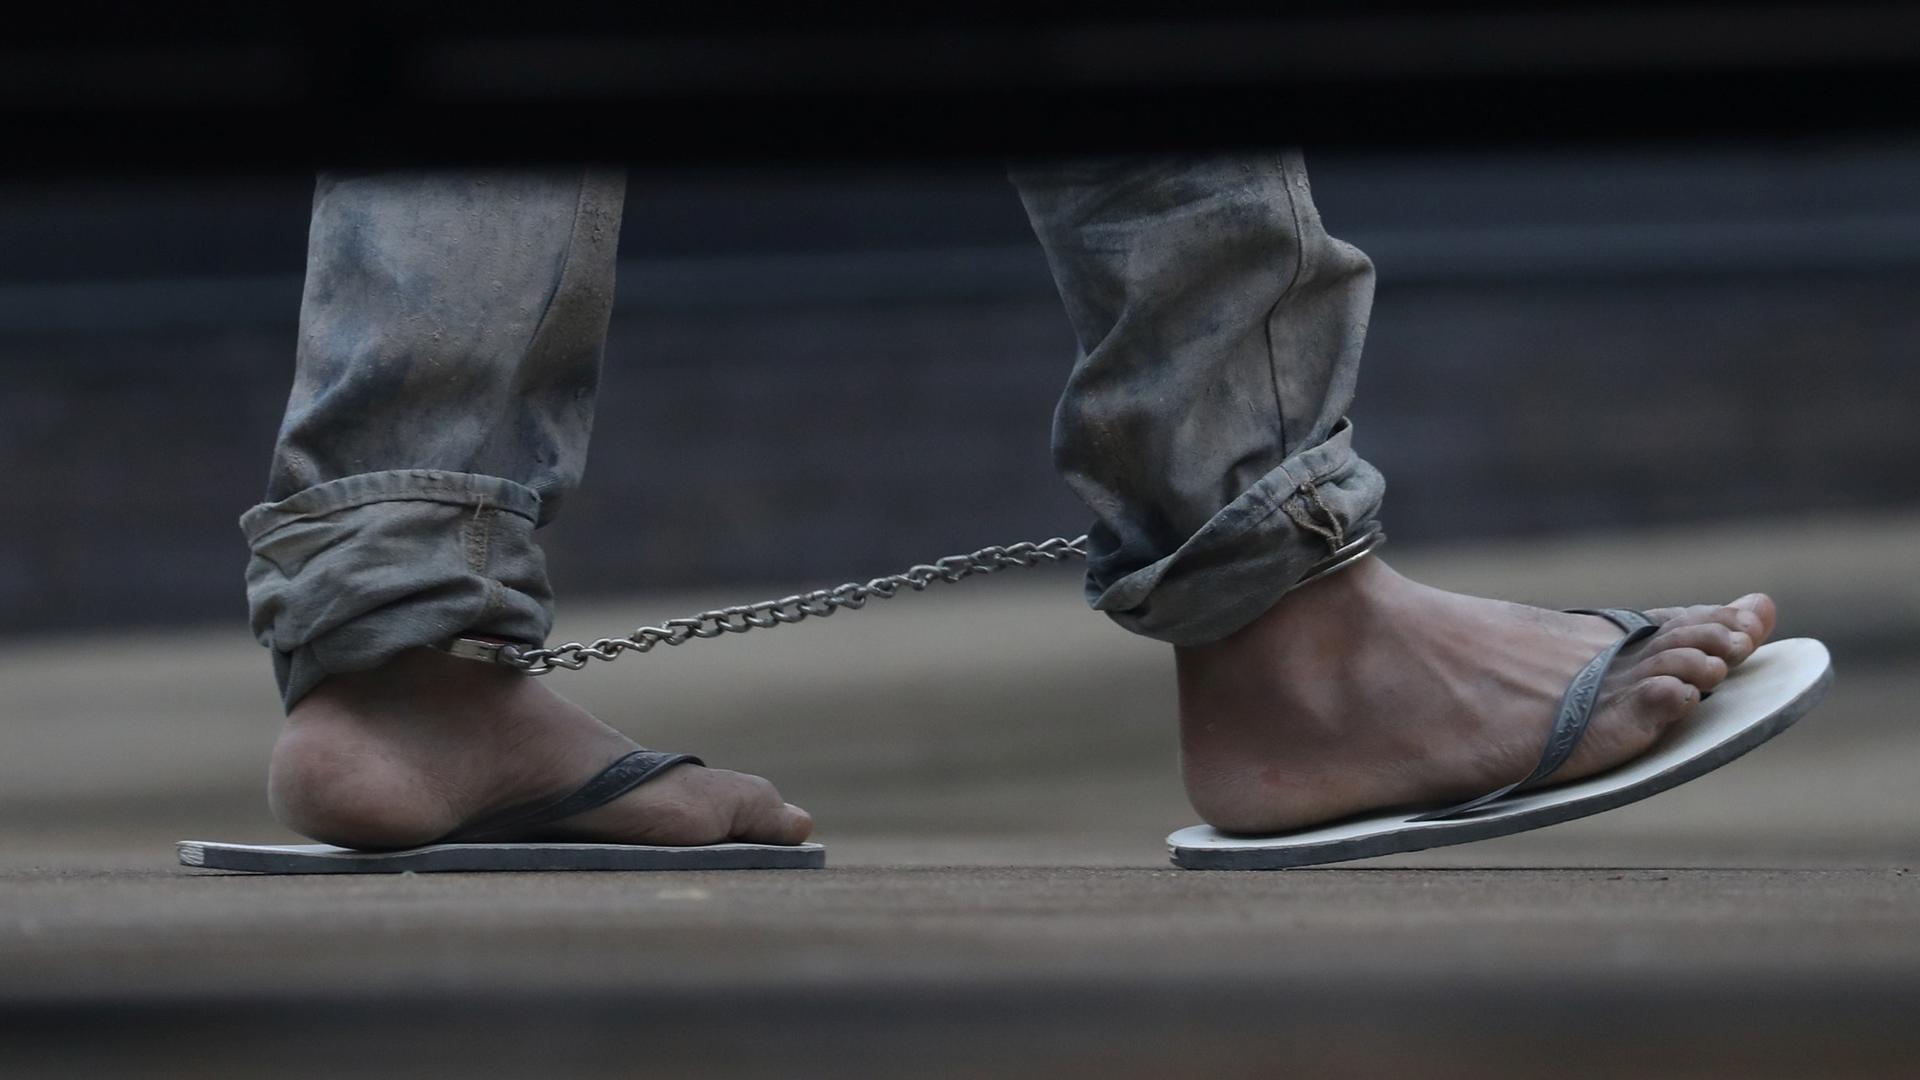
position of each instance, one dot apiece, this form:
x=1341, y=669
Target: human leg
x=450, y=341
x=1220, y=331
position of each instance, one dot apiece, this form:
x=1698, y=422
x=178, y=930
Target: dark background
x=823, y=372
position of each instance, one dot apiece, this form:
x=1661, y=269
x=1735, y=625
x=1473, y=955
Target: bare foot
x=404, y=754
x=1366, y=691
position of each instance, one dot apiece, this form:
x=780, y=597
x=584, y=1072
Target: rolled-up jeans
x=451, y=334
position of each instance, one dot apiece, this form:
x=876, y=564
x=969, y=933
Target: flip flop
x=483, y=844
x=1761, y=698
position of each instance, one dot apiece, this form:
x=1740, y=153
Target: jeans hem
x=347, y=574
x=392, y=485
x=1252, y=551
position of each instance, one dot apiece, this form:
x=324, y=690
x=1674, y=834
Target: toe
x=761, y=816
x=1699, y=669
x=1740, y=620
x=1632, y=723
x=1677, y=616
x=690, y=805
x=1731, y=631
x=1760, y=607
x=1661, y=700
x=1712, y=638
x=795, y=824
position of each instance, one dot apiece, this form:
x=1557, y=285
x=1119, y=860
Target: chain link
x=768, y=614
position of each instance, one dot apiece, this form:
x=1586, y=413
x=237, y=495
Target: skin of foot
x=404, y=754
x=1365, y=691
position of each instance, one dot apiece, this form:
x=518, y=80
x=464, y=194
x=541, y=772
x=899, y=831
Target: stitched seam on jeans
x=267, y=518
x=476, y=541
x=1266, y=325
x=1292, y=481
x=566, y=263
x=478, y=549
x=1334, y=463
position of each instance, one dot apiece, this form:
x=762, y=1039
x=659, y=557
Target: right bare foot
x=403, y=755
x=1366, y=691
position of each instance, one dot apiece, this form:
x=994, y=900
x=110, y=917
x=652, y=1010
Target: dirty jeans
x=450, y=343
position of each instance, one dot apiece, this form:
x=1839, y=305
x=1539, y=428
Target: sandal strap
x=626, y=773
x=1575, y=711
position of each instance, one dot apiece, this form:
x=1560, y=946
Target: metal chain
x=768, y=614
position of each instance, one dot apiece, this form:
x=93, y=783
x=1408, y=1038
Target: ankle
x=1314, y=627
x=1344, y=598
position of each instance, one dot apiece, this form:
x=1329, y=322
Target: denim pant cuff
x=348, y=573
x=1248, y=555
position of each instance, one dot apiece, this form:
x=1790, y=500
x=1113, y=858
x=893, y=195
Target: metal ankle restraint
x=768, y=614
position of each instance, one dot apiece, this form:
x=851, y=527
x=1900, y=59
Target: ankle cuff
x=1239, y=564
x=347, y=574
